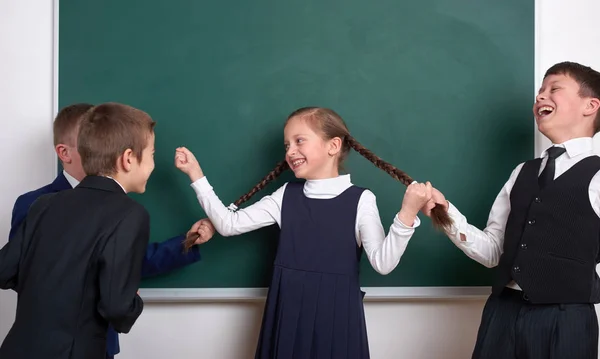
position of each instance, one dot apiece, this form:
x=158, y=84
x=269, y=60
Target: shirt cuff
x=459, y=225
x=201, y=186
x=398, y=222
x=194, y=253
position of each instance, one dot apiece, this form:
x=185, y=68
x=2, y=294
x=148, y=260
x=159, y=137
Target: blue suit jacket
x=160, y=257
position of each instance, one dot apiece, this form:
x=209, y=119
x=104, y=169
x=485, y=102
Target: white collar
x=328, y=186
x=72, y=181
x=574, y=147
x=123, y=188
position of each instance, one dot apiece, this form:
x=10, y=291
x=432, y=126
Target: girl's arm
x=263, y=213
x=384, y=252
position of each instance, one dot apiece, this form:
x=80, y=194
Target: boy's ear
x=335, y=146
x=126, y=160
x=592, y=106
x=62, y=151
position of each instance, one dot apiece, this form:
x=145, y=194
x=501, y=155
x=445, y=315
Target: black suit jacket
x=76, y=265
x=161, y=257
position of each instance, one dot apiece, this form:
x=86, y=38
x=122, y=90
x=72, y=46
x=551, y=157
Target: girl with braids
x=314, y=306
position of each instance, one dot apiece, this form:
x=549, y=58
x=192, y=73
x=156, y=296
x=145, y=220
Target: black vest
x=552, y=237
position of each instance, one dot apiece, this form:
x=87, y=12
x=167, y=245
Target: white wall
x=429, y=329
x=26, y=103
x=565, y=31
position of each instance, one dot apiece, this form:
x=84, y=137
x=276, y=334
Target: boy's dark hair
x=106, y=131
x=329, y=124
x=66, y=122
x=587, y=78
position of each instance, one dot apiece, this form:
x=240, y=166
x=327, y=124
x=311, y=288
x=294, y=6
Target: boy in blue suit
x=160, y=258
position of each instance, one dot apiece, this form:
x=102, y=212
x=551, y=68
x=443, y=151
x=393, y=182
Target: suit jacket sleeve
x=19, y=213
x=120, y=270
x=12, y=253
x=166, y=256
x=10, y=257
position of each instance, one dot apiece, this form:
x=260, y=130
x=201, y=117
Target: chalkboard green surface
x=442, y=89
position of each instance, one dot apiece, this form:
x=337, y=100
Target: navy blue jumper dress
x=314, y=306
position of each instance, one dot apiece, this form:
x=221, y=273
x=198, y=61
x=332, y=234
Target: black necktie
x=547, y=175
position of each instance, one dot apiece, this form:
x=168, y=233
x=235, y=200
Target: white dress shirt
x=384, y=252
x=72, y=181
x=486, y=246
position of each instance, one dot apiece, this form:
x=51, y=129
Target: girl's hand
x=437, y=198
x=186, y=162
x=415, y=197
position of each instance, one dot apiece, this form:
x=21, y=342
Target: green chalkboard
x=442, y=89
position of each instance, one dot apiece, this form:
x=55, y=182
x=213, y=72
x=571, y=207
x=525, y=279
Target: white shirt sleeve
x=485, y=246
x=384, y=252
x=263, y=213
x=594, y=192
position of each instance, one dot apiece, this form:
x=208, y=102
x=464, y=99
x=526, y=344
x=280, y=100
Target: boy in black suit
x=76, y=260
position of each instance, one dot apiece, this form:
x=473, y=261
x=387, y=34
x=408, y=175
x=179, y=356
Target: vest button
x=537, y=200
x=524, y=245
x=516, y=269
x=531, y=221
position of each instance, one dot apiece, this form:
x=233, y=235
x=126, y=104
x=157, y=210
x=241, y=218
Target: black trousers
x=513, y=328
